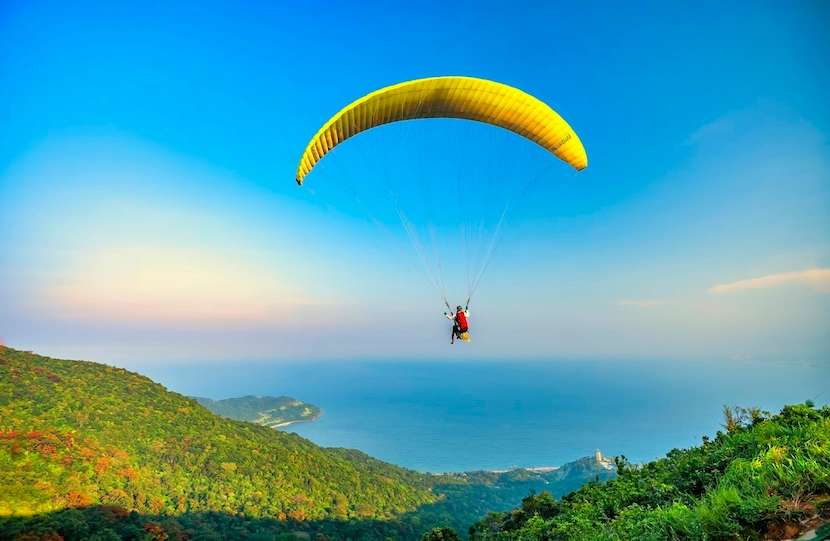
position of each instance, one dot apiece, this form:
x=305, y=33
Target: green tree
x=441, y=534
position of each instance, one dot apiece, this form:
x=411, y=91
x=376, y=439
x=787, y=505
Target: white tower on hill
x=604, y=461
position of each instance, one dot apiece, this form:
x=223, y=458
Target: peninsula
x=273, y=412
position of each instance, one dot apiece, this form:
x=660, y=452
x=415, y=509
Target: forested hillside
x=76, y=433
x=89, y=451
x=766, y=477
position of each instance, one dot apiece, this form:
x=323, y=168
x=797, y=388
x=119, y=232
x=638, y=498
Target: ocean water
x=454, y=416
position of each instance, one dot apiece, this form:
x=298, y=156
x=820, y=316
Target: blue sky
x=148, y=210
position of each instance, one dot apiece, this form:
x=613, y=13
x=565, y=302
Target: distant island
x=270, y=411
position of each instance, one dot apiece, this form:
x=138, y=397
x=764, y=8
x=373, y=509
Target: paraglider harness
x=461, y=322
x=459, y=326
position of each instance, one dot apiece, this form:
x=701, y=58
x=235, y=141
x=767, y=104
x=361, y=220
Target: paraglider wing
x=450, y=97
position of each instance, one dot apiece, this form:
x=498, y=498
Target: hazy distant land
x=269, y=411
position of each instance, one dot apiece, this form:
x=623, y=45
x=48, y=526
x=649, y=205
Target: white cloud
x=722, y=126
x=816, y=278
x=735, y=121
x=168, y=283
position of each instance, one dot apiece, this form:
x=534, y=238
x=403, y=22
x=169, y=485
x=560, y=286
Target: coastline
x=537, y=469
x=286, y=423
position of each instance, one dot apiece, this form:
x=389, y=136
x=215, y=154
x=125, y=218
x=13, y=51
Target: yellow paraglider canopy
x=466, y=98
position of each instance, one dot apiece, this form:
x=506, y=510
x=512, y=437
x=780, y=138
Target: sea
x=462, y=416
